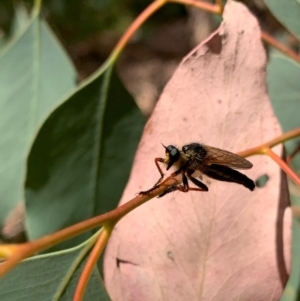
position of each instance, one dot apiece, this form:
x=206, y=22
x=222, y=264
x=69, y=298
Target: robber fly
x=216, y=163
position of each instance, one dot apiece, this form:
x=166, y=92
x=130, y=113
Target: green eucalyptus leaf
x=287, y=12
x=80, y=161
x=52, y=277
x=292, y=289
x=284, y=90
x=35, y=73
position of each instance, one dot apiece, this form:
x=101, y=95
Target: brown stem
x=90, y=263
x=293, y=154
x=261, y=148
x=136, y=24
x=283, y=166
x=107, y=219
x=279, y=46
x=212, y=8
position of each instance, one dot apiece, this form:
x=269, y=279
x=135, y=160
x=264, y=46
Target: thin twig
x=293, y=154
x=221, y=6
x=279, y=46
x=209, y=7
x=260, y=149
x=91, y=262
x=30, y=248
x=283, y=165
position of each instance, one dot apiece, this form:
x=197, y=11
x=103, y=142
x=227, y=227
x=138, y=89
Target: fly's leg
x=184, y=188
x=185, y=185
x=176, y=186
x=156, y=160
x=168, y=190
x=202, y=186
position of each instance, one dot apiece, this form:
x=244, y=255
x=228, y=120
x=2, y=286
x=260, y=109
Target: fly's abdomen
x=227, y=174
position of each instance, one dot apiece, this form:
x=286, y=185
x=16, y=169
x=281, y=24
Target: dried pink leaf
x=219, y=245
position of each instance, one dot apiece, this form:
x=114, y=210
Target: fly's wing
x=221, y=157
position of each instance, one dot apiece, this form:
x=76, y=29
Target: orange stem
x=91, y=262
x=265, y=149
x=293, y=154
x=218, y=9
x=279, y=46
x=221, y=7
x=30, y=248
x=149, y=11
x=7, y=250
x=261, y=149
x=212, y=8
x=135, y=25
x=283, y=165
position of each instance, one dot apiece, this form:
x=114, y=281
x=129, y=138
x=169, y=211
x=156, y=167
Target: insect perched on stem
x=216, y=163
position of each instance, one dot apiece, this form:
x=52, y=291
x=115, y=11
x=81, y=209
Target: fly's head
x=172, y=156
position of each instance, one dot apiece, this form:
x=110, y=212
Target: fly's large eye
x=173, y=152
x=170, y=148
x=174, y=155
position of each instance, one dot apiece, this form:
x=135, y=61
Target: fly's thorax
x=194, y=154
x=184, y=158
x=194, y=149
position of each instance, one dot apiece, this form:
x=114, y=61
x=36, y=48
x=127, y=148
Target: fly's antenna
x=164, y=146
